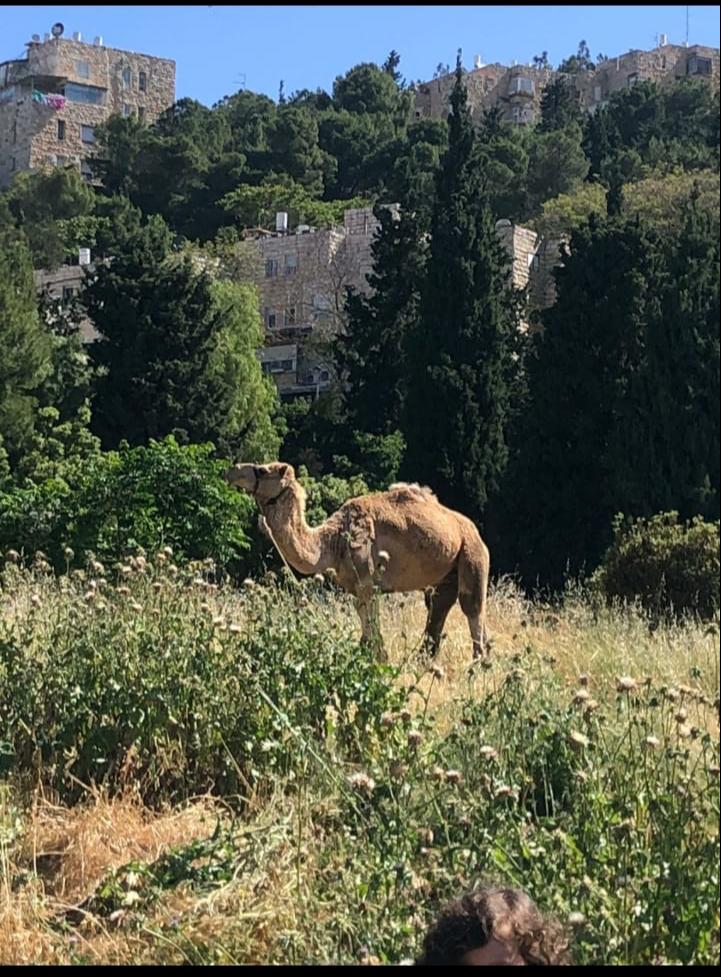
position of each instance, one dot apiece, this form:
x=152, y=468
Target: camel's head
x=264, y=482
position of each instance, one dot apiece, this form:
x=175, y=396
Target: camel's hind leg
x=439, y=601
x=473, y=572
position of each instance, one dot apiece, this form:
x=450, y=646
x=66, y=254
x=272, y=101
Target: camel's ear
x=287, y=474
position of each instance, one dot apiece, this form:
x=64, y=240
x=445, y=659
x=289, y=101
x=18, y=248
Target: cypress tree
x=565, y=481
x=24, y=344
x=675, y=456
x=372, y=354
x=459, y=353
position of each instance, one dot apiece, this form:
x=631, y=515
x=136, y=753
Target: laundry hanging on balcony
x=54, y=101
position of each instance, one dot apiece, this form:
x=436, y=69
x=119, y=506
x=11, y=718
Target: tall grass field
x=201, y=773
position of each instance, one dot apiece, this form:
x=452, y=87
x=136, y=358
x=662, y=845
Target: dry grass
x=601, y=645
x=69, y=851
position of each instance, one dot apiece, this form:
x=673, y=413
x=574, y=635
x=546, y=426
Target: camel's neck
x=304, y=548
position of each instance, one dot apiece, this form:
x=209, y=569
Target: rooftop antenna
x=687, y=26
x=240, y=79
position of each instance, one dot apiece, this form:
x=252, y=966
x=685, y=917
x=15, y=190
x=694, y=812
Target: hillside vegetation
x=197, y=774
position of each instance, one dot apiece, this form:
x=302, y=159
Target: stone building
x=663, y=65
x=517, y=90
x=52, y=99
x=303, y=276
x=65, y=283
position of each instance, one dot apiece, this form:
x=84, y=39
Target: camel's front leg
x=367, y=606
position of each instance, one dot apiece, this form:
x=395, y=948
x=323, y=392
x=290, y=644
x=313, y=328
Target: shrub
x=328, y=493
x=670, y=567
x=176, y=686
x=160, y=495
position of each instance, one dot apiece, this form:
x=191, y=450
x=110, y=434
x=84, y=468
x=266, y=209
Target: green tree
x=256, y=206
x=372, y=354
x=390, y=66
x=671, y=432
x=563, y=482
x=557, y=164
x=580, y=61
x=294, y=144
x=559, y=106
x=177, y=351
x=503, y=153
x=40, y=202
x=64, y=397
x=459, y=354
x=24, y=346
x=413, y=162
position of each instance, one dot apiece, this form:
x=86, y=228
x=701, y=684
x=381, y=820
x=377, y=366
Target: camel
x=396, y=541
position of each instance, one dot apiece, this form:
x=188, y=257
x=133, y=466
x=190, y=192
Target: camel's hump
x=411, y=490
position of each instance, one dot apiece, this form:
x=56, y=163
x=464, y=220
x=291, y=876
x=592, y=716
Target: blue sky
x=219, y=49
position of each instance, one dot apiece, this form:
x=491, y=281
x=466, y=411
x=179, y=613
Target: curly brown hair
x=469, y=922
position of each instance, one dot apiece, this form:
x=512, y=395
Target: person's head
x=494, y=926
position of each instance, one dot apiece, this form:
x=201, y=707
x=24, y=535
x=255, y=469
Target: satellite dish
x=57, y=30
x=36, y=38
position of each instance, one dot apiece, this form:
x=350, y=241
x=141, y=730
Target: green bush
x=327, y=494
x=160, y=495
x=670, y=567
x=169, y=683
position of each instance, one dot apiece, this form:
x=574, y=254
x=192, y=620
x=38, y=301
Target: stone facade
x=662, y=65
x=517, y=90
x=51, y=100
x=302, y=279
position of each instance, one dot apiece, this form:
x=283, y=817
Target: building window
x=84, y=93
x=290, y=316
x=126, y=109
x=142, y=81
x=271, y=268
x=82, y=69
x=61, y=128
x=324, y=375
x=291, y=264
x=127, y=77
x=12, y=164
x=85, y=170
x=523, y=85
x=698, y=66
x=632, y=79
x=15, y=132
x=270, y=319
x=68, y=291
x=141, y=113
x=597, y=93
x=87, y=134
